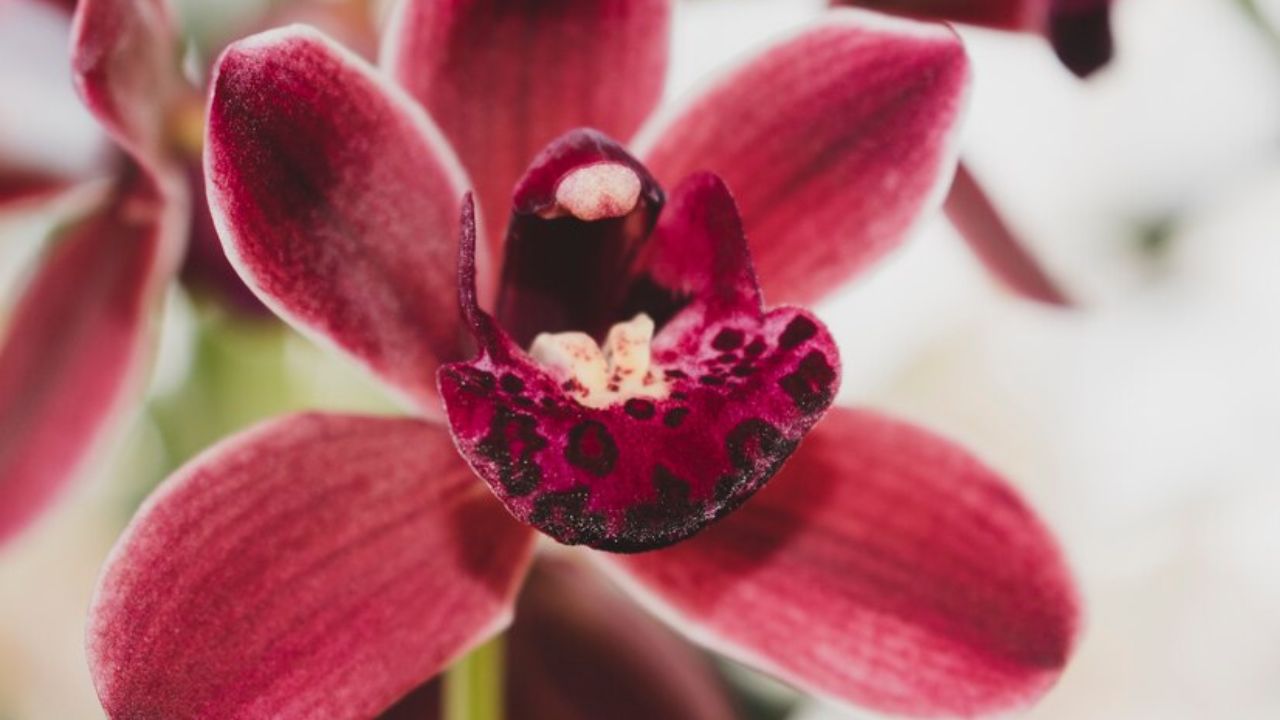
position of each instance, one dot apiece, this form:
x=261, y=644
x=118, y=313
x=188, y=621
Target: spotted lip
x=744, y=385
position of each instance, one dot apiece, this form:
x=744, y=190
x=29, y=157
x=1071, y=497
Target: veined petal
x=337, y=200
x=505, y=77
x=653, y=442
x=126, y=63
x=76, y=345
x=579, y=650
x=884, y=567
x=991, y=239
x=834, y=143
x=316, y=566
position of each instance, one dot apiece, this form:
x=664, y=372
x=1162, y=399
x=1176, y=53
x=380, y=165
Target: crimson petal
x=742, y=388
x=991, y=239
x=125, y=57
x=834, y=142
x=999, y=14
x=75, y=347
x=505, y=78
x=336, y=201
x=885, y=567
x=316, y=566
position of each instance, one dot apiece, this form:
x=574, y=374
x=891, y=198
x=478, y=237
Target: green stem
x=473, y=684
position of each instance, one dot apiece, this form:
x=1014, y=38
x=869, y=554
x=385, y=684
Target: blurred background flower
x=1141, y=424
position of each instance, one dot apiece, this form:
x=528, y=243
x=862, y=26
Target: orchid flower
x=323, y=565
x=74, y=354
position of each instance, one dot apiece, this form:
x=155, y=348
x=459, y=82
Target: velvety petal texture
x=995, y=244
x=337, y=201
x=999, y=14
x=884, y=567
x=505, y=77
x=125, y=58
x=75, y=347
x=833, y=142
x=677, y=432
x=318, y=566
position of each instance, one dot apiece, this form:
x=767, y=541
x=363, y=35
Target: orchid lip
x=696, y=396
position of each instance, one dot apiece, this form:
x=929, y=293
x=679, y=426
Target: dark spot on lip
x=563, y=515
x=757, y=450
x=674, y=417
x=675, y=374
x=727, y=339
x=512, y=384
x=639, y=409
x=742, y=370
x=592, y=448
x=798, y=330
x=510, y=445
x=755, y=349
x=810, y=384
x=711, y=380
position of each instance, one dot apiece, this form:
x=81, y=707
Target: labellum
x=657, y=394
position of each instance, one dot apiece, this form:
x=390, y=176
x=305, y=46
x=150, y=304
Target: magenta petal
x=337, y=201
x=505, y=78
x=994, y=243
x=885, y=567
x=834, y=143
x=318, y=566
x=126, y=60
x=742, y=387
x=75, y=347
x=999, y=14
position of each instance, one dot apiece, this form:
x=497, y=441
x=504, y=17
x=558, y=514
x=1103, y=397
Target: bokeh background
x=1144, y=424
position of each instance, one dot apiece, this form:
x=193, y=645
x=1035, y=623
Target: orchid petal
x=639, y=456
x=884, y=567
x=834, y=143
x=991, y=239
x=19, y=186
x=125, y=57
x=336, y=201
x=579, y=650
x=315, y=566
x=998, y=14
x=505, y=78
x=75, y=348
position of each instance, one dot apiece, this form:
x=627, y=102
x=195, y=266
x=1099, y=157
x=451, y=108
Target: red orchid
x=75, y=351
x=324, y=565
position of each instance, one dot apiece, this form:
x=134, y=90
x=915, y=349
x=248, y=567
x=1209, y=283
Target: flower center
x=600, y=377
x=596, y=192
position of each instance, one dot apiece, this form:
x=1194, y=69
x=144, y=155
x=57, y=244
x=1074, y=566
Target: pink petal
x=999, y=14
x=743, y=386
x=834, y=143
x=125, y=57
x=20, y=186
x=579, y=650
x=337, y=202
x=318, y=566
x=994, y=243
x=505, y=78
x=75, y=348
x=884, y=567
